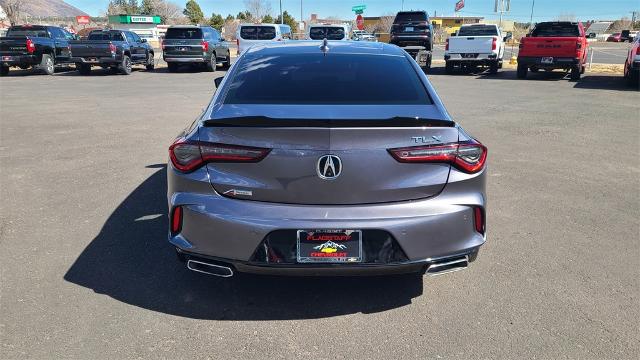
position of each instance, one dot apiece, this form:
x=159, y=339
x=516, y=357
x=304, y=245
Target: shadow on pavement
x=131, y=261
x=606, y=82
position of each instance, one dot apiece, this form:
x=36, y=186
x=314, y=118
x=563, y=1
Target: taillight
x=469, y=157
x=187, y=156
x=205, y=46
x=494, y=44
x=478, y=219
x=446, y=46
x=112, y=48
x=176, y=220
x=31, y=47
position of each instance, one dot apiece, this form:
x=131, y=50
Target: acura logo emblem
x=329, y=167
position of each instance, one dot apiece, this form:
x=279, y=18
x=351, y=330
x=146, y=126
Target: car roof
x=188, y=26
x=335, y=47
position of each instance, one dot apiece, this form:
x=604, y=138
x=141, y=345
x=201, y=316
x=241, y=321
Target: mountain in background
x=49, y=8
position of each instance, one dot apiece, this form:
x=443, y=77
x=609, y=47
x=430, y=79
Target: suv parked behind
x=476, y=44
x=35, y=46
x=195, y=45
x=114, y=49
x=251, y=34
x=412, y=31
x=554, y=45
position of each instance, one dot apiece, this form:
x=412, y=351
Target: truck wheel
x=576, y=72
x=227, y=63
x=448, y=67
x=4, y=70
x=125, y=65
x=211, y=65
x=46, y=64
x=493, y=67
x=173, y=67
x=150, y=62
x=83, y=69
x=522, y=71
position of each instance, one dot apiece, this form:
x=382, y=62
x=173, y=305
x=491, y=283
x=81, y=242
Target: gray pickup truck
x=112, y=49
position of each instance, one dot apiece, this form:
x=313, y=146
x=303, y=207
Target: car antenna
x=324, y=47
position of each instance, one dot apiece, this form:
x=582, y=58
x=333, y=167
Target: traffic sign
x=360, y=22
x=358, y=8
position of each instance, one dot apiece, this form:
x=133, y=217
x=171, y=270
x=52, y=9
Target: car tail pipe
x=448, y=265
x=206, y=267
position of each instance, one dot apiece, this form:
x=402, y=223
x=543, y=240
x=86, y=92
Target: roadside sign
x=83, y=20
x=459, y=5
x=359, y=8
x=360, y=22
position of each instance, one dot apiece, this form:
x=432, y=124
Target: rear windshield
x=410, y=16
x=258, y=32
x=477, y=31
x=328, y=32
x=24, y=31
x=556, y=30
x=184, y=33
x=106, y=35
x=331, y=79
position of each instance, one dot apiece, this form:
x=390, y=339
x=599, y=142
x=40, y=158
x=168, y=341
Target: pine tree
x=289, y=20
x=216, y=21
x=267, y=19
x=193, y=12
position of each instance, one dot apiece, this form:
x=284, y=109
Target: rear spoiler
x=264, y=121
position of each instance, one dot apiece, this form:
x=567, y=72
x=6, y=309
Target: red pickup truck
x=554, y=45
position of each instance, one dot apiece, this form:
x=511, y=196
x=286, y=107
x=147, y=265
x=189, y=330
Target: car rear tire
x=576, y=71
x=522, y=71
x=4, y=70
x=47, y=65
x=83, y=69
x=211, y=65
x=173, y=67
x=493, y=68
x=125, y=65
x=227, y=63
x=448, y=67
x=151, y=62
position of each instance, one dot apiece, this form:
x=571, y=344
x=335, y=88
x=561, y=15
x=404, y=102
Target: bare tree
x=621, y=24
x=257, y=8
x=170, y=12
x=13, y=9
x=567, y=17
x=230, y=27
x=383, y=25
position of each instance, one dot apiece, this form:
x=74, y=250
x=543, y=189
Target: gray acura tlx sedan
x=326, y=159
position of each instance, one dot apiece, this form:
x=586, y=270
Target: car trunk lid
x=295, y=171
x=549, y=46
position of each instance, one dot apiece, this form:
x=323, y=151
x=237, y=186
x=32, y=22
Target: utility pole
x=281, y=17
x=402, y=8
x=533, y=3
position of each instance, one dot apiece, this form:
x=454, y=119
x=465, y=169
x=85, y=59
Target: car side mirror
x=591, y=36
x=143, y=40
x=217, y=81
x=453, y=34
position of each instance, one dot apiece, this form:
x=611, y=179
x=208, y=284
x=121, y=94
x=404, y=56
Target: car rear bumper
x=233, y=231
x=482, y=59
x=99, y=60
x=19, y=60
x=558, y=62
x=185, y=59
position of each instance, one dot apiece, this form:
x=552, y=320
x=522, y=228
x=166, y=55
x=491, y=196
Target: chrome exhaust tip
x=210, y=269
x=448, y=266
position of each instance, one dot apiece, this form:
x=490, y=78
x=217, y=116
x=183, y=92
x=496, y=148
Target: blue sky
x=520, y=9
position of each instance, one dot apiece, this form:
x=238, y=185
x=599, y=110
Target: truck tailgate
x=90, y=48
x=13, y=45
x=470, y=44
x=549, y=46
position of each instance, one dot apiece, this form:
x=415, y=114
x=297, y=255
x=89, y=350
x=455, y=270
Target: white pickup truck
x=474, y=45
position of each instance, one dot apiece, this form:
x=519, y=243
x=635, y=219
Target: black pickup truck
x=39, y=47
x=117, y=50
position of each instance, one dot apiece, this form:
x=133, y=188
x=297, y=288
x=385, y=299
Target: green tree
x=243, y=15
x=132, y=7
x=229, y=18
x=148, y=7
x=267, y=19
x=193, y=12
x=216, y=21
x=289, y=20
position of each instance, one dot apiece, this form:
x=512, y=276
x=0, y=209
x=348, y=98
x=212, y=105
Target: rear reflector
x=469, y=157
x=176, y=220
x=187, y=156
x=478, y=219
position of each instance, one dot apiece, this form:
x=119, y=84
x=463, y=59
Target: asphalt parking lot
x=86, y=271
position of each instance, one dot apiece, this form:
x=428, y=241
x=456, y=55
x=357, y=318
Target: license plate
x=329, y=246
x=408, y=29
x=469, y=56
x=92, y=59
x=7, y=58
x=183, y=49
x=547, y=60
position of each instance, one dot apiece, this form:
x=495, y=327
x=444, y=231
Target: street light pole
x=533, y=3
x=281, y=17
x=402, y=8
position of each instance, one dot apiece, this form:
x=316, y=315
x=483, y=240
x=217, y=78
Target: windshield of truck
x=105, y=35
x=27, y=31
x=478, y=31
x=258, y=32
x=556, y=30
x=184, y=33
